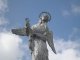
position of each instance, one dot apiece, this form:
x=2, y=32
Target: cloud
x=3, y=6
x=74, y=9
x=66, y=50
x=3, y=20
x=9, y=46
x=3, y=9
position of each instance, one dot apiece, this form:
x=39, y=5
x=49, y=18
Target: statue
x=38, y=35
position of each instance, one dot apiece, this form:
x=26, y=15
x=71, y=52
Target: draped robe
x=40, y=51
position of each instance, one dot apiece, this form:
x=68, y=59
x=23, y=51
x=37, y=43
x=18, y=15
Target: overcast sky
x=65, y=23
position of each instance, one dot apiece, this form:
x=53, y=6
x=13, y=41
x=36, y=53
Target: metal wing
x=50, y=41
x=21, y=31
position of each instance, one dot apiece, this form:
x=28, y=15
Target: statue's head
x=45, y=17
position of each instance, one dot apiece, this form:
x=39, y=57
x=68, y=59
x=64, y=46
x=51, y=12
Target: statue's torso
x=40, y=48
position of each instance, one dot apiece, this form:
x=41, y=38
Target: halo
x=44, y=14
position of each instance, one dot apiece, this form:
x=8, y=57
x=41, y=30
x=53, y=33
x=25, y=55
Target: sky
x=65, y=24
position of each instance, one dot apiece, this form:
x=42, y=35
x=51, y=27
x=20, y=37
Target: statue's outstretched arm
x=23, y=31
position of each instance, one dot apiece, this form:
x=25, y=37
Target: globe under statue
x=38, y=35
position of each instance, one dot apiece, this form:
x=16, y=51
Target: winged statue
x=39, y=34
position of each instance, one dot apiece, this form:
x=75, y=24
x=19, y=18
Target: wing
x=21, y=32
x=50, y=41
